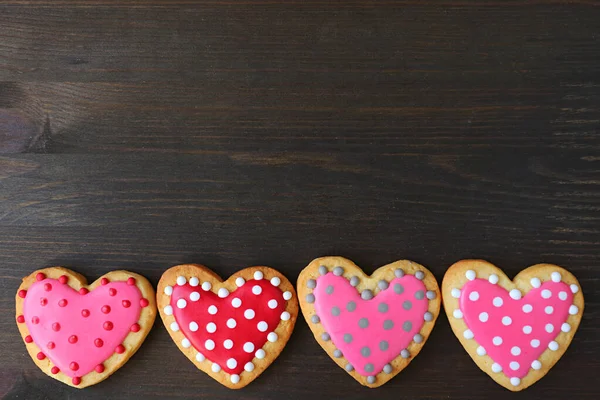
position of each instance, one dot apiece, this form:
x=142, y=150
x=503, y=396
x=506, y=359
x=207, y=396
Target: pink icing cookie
x=81, y=334
x=370, y=326
x=514, y=330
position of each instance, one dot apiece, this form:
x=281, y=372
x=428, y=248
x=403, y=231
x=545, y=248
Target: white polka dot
x=514, y=365
x=272, y=304
x=565, y=327
x=493, y=279
x=515, y=294
x=527, y=308
x=468, y=334
x=248, y=347
x=535, y=282
x=483, y=317
x=536, y=365
x=249, y=313
x=470, y=274
x=231, y=323
x=194, y=281
x=206, y=286
x=496, y=368
x=573, y=309
x=211, y=327
x=455, y=293
x=199, y=356
x=181, y=303
x=249, y=367
x=497, y=340
x=574, y=288
x=473, y=296
x=174, y=326
x=236, y=303
x=235, y=378
x=168, y=310
x=256, y=289
x=506, y=320
x=497, y=302
x=515, y=381
x=457, y=314
x=527, y=329
x=258, y=275
x=562, y=295
x=549, y=328
x=275, y=281
x=223, y=293
x=212, y=310
x=186, y=343
x=546, y=294
x=181, y=280
x=260, y=354
x=168, y=290
x=228, y=344
x=262, y=326
x=194, y=296
x=193, y=326
x=272, y=337
x=553, y=345
x=239, y=281
x=287, y=295
x=285, y=316
x=549, y=310
x=209, y=345
x=555, y=276
x=481, y=351
x=215, y=367
x=535, y=343
x=515, y=351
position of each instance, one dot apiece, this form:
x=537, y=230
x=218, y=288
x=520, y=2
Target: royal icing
x=229, y=328
x=370, y=331
x=78, y=331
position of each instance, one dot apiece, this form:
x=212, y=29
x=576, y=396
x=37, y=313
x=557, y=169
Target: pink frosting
x=375, y=331
x=66, y=336
x=523, y=328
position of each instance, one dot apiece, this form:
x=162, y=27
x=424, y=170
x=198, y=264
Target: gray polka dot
x=310, y=298
x=365, y=351
x=418, y=338
x=366, y=294
x=349, y=367
x=354, y=281
x=338, y=271
x=383, y=307
x=388, y=324
x=325, y=336
x=311, y=284
x=347, y=338
x=383, y=345
x=370, y=379
x=419, y=275
x=335, y=311
x=419, y=295
x=399, y=273
x=387, y=368
x=329, y=289
x=322, y=270
x=404, y=353
x=407, y=305
x=337, y=353
x=407, y=326
x=430, y=294
x=351, y=306
x=428, y=316
x=382, y=285
x=315, y=319
x=363, y=323
x=369, y=367
x=398, y=288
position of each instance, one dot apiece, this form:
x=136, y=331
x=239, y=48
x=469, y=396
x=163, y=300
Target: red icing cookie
x=231, y=330
x=80, y=334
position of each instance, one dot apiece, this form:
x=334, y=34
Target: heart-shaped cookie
x=370, y=326
x=80, y=334
x=515, y=331
x=232, y=330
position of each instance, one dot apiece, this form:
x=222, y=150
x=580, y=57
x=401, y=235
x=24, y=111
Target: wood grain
x=145, y=134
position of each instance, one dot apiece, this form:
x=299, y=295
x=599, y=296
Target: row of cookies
x=371, y=326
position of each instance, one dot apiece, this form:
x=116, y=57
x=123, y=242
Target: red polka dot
x=20, y=319
x=105, y=309
x=120, y=349
x=47, y=287
x=83, y=291
x=40, y=276
x=55, y=370
x=99, y=342
x=35, y=320
x=135, y=328
x=43, y=301
x=40, y=356
x=63, y=303
x=28, y=339
x=63, y=279
x=56, y=327
x=22, y=293
x=144, y=302
x=76, y=380
x=108, y=326
x=112, y=292
x=104, y=281
x=73, y=339
x=126, y=303
x=99, y=368
x=74, y=366
x=50, y=345
x=131, y=281
x=85, y=313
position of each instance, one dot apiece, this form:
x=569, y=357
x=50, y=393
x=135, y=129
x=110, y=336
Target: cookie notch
x=401, y=284
x=58, y=289
x=541, y=308
x=207, y=318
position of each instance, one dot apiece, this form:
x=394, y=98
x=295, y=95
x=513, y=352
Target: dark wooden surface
x=142, y=134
